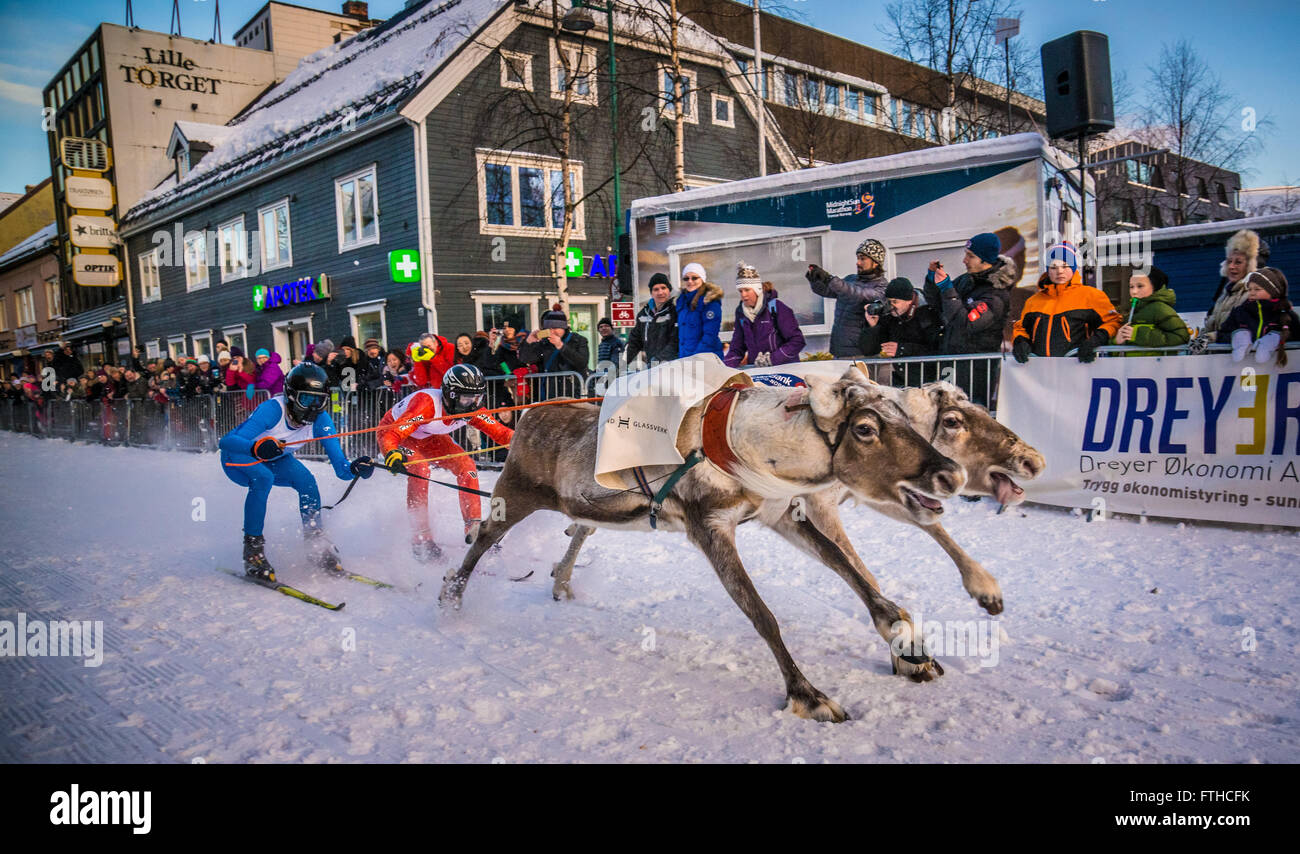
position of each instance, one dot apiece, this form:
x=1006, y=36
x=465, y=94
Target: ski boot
x=324, y=554
x=255, y=563
x=425, y=550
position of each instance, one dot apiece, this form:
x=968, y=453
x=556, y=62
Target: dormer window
x=182, y=163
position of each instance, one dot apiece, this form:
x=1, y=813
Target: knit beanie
x=324, y=347
x=1270, y=279
x=262, y=352
x=900, y=288
x=985, y=246
x=1158, y=277
x=1063, y=251
x=373, y=342
x=697, y=269
x=747, y=277
x=660, y=279
x=873, y=249
x=554, y=320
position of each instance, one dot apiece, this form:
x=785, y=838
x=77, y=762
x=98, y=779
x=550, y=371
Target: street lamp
x=580, y=20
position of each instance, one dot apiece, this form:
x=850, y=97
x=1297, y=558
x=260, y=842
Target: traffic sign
x=623, y=314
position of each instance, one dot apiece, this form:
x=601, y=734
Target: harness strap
x=657, y=499
x=715, y=427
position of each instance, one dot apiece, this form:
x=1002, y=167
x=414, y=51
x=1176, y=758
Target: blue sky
x=1250, y=44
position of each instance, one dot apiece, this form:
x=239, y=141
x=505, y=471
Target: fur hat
x=1270, y=279
x=873, y=249
x=900, y=288
x=747, y=277
x=1247, y=243
x=986, y=246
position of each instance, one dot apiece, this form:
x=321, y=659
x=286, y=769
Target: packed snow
x=1121, y=642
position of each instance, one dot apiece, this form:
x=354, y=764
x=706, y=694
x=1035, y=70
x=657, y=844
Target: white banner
x=1186, y=437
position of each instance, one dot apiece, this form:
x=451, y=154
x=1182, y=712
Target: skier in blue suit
x=298, y=413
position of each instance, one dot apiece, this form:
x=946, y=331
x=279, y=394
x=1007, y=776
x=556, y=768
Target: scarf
x=752, y=313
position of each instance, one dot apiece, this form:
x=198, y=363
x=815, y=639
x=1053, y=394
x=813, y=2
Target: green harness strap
x=657, y=500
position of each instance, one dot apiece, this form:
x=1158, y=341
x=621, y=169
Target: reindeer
x=991, y=454
x=844, y=434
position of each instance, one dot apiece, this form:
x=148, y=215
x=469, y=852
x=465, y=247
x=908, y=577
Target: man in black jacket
x=370, y=367
x=852, y=294
x=555, y=348
x=66, y=365
x=655, y=333
x=905, y=328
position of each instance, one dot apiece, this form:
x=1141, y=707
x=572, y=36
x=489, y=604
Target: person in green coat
x=1152, y=322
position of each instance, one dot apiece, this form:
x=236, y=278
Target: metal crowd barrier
x=190, y=424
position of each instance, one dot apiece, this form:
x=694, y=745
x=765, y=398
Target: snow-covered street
x=1133, y=643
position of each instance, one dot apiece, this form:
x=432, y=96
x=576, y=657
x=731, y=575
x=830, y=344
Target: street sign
x=92, y=232
x=623, y=314
x=92, y=194
x=1006, y=28
x=96, y=271
x=404, y=265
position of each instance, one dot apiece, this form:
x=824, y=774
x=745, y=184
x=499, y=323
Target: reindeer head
x=991, y=454
x=875, y=451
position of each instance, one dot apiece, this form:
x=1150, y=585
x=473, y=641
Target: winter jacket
x=1155, y=322
x=1229, y=301
x=852, y=293
x=428, y=373
x=196, y=383
x=699, y=319
x=572, y=355
x=610, y=349
x=973, y=308
x=917, y=334
x=270, y=377
x=66, y=367
x=1059, y=318
x=774, y=331
x=655, y=334
x=370, y=372
x=238, y=380
x=137, y=389
x=1261, y=317
x=495, y=363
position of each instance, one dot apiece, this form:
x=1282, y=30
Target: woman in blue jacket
x=298, y=413
x=699, y=314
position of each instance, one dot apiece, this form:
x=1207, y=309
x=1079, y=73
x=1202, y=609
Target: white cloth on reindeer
x=642, y=413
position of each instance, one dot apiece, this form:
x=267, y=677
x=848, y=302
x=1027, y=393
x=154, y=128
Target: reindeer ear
x=825, y=399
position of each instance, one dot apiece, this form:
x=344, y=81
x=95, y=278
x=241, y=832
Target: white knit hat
x=747, y=277
x=697, y=269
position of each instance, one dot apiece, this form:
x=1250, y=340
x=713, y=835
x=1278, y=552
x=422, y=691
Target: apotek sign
x=291, y=293
x=575, y=265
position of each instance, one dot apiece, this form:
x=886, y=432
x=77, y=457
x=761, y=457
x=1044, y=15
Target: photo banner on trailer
x=1185, y=437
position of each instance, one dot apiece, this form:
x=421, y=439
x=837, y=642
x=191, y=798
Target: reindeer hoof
x=453, y=588
x=561, y=588
x=816, y=707
x=918, y=668
x=990, y=603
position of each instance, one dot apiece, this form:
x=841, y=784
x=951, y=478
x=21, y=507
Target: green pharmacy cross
x=404, y=265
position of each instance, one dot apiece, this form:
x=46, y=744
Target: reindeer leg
x=982, y=586
x=827, y=541
x=563, y=570
x=518, y=506
x=718, y=542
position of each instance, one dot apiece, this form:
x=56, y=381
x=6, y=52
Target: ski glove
x=396, y=460
x=268, y=448
x=1020, y=349
x=1088, y=348
x=362, y=467
x=817, y=274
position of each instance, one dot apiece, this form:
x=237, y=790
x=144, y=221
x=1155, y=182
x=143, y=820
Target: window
x=522, y=195
x=667, y=95
x=1221, y=193
x=196, y=261
x=26, y=305
x=722, y=111
x=4, y=314
x=152, y=349
x=870, y=104
x=812, y=96
x=1127, y=213
x=1202, y=192
x=368, y=321
x=202, y=342
x=516, y=70
x=233, y=249
x=150, y=291
x=496, y=311
x=182, y=164
x=53, y=298
x=852, y=102
x=236, y=336
x=277, y=249
x=791, y=89
x=356, y=206
x=573, y=61
x=176, y=347
x=1154, y=219
x=831, y=95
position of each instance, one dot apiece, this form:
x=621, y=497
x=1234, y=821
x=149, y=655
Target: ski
x=286, y=590
x=352, y=576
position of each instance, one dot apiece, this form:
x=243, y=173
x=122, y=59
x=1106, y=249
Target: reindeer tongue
x=927, y=502
x=1007, y=491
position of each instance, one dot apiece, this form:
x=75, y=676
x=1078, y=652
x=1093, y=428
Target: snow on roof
x=963, y=156
x=1214, y=229
x=333, y=91
x=31, y=244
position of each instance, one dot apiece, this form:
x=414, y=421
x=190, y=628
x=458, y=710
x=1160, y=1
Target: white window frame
x=529, y=299
x=150, y=278
x=373, y=171
x=583, y=64
x=193, y=280
x=288, y=224
x=240, y=238
x=237, y=329
x=368, y=307
x=201, y=335
x=515, y=160
x=520, y=61
x=153, y=349
x=666, y=108
x=53, y=298
x=25, y=306
x=4, y=313
x=172, y=353
x=281, y=327
x=731, y=110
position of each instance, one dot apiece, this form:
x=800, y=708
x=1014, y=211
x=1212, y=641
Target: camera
x=877, y=307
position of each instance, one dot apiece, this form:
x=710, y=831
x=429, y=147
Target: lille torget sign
x=92, y=232
x=291, y=293
x=148, y=77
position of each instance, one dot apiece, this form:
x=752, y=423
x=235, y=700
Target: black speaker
x=625, y=285
x=1076, y=83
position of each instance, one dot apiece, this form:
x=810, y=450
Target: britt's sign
x=94, y=232
x=180, y=78
x=291, y=293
